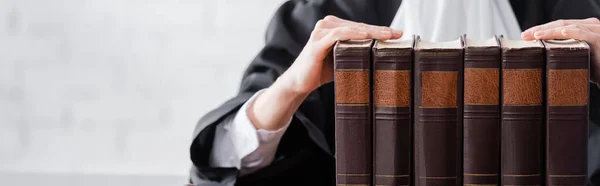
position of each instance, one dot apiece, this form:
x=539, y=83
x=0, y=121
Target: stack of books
x=463, y=112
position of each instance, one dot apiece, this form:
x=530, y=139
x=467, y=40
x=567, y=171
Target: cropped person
x=278, y=129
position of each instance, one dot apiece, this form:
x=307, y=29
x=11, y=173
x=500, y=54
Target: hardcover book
x=567, y=80
x=481, y=141
x=522, y=112
x=353, y=144
x=392, y=63
x=438, y=100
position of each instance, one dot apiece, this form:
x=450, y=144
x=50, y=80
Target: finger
x=378, y=32
x=332, y=22
x=581, y=34
x=323, y=24
x=322, y=27
x=592, y=27
x=319, y=34
x=554, y=33
x=325, y=38
x=337, y=19
x=337, y=22
x=370, y=32
x=340, y=33
x=395, y=34
x=559, y=23
x=529, y=33
x=375, y=32
x=327, y=73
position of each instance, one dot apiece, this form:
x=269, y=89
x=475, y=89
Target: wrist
x=273, y=108
x=290, y=87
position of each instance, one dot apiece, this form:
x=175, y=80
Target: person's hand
x=587, y=30
x=313, y=67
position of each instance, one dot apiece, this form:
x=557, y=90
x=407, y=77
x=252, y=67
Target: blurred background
x=108, y=92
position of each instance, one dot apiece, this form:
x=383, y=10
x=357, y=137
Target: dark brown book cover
x=481, y=116
x=438, y=100
x=522, y=141
x=353, y=144
x=392, y=131
x=567, y=89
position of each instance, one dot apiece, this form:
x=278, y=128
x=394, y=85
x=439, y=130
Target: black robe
x=305, y=153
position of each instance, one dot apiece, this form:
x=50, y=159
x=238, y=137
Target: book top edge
x=396, y=43
x=427, y=45
x=366, y=43
x=565, y=44
x=509, y=44
x=491, y=42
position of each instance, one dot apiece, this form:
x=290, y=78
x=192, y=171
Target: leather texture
x=481, y=140
x=392, y=148
x=567, y=113
x=522, y=115
x=353, y=143
x=438, y=127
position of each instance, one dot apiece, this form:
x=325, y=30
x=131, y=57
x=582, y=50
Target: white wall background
x=115, y=87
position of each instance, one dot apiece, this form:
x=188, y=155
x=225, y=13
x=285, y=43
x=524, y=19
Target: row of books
x=472, y=112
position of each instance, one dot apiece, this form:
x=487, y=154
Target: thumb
x=327, y=71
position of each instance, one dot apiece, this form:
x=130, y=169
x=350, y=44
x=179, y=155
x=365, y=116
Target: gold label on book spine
x=392, y=88
x=438, y=89
x=352, y=87
x=482, y=86
x=522, y=87
x=567, y=87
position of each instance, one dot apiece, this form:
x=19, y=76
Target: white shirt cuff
x=254, y=149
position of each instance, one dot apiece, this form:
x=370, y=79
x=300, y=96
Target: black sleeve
x=568, y=9
x=581, y=9
x=287, y=33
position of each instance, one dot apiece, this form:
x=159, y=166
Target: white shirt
x=239, y=144
x=445, y=20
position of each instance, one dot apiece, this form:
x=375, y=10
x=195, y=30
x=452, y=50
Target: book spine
x=481, y=144
x=522, y=116
x=353, y=115
x=438, y=117
x=392, y=119
x=567, y=116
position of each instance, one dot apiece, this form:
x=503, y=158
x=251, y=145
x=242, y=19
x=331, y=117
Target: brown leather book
x=567, y=80
x=481, y=116
x=392, y=131
x=438, y=99
x=522, y=112
x=352, y=66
